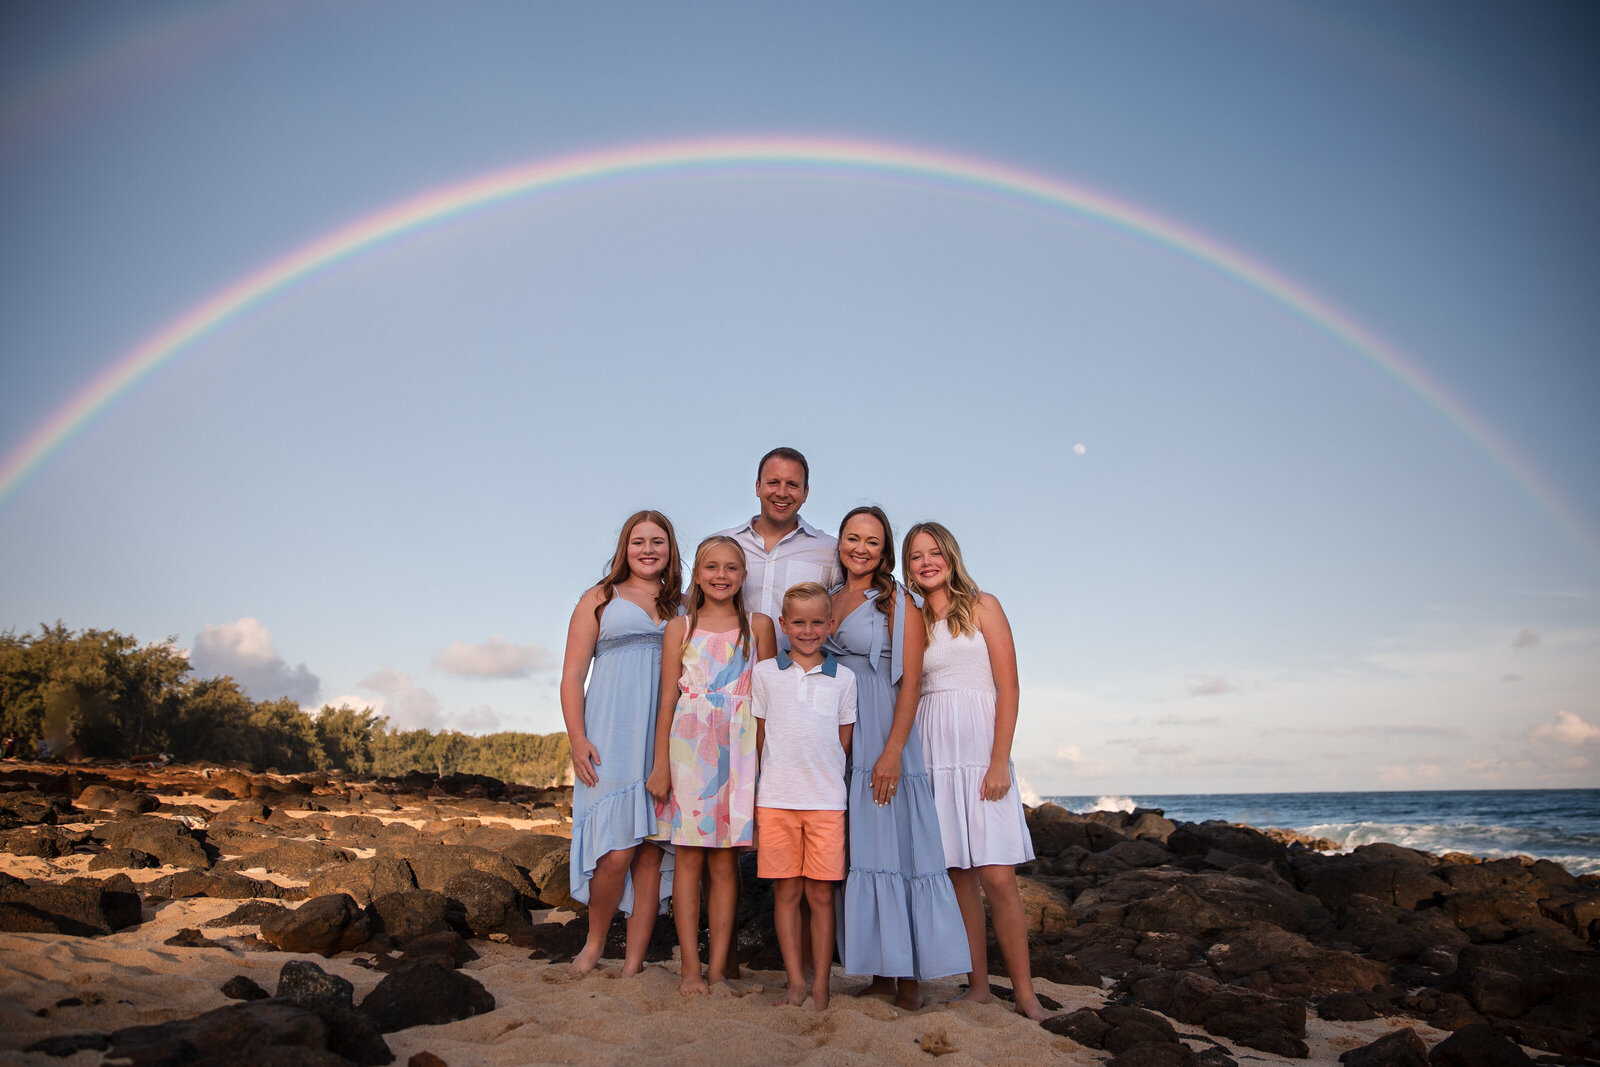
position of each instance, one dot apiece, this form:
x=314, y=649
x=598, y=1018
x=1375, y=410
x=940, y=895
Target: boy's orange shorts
x=800, y=844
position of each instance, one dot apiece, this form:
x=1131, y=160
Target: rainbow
x=789, y=155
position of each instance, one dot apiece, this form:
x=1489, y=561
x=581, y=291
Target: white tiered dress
x=955, y=719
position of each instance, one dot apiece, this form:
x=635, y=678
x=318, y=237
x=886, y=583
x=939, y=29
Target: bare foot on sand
x=909, y=996
x=819, y=995
x=691, y=984
x=973, y=996
x=1032, y=1009
x=585, y=961
x=878, y=987
x=795, y=995
x=630, y=971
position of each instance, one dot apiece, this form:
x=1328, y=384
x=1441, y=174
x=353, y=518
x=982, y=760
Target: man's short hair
x=793, y=456
x=804, y=591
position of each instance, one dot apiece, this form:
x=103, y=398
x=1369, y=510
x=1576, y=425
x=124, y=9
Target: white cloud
x=478, y=720
x=408, y=705
x=1404, y=774
x=1209, y=685
x=1525, y=638
x=494, y=658
x=1568, y=729
x=245, y=651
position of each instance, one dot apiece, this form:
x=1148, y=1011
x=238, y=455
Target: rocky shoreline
x=1160, y=942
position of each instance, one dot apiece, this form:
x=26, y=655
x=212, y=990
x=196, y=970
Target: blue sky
x=1273, y=566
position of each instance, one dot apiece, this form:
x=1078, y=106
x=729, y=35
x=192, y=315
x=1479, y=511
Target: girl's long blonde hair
x=697, y=596
x=670, y=594
x=963, y=590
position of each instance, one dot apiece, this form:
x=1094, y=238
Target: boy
x=805, y=709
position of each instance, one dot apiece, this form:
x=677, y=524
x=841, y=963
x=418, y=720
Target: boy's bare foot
x=585, y=961
x=795, y=995
x=909, y=995
x=878, y=987
x=692, y=984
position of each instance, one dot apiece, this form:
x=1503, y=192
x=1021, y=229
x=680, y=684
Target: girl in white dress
x=966, y=716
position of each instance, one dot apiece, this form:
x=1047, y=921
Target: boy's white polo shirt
x=802, y=762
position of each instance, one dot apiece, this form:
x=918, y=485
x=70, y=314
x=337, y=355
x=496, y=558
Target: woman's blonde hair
x=670, y=594
x=697, y=596
x=963, y=590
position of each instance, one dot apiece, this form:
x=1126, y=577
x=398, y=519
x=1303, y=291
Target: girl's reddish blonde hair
x=670, y=595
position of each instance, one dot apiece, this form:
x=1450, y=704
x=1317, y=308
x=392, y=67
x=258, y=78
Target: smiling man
x=782, y=549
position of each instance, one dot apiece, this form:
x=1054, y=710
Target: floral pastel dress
x=712, y=747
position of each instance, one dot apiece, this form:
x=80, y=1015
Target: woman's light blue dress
x=900, y=918
x=619, y=718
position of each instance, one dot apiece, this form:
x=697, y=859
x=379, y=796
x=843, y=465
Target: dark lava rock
x=1061, y=968
x=1154, y=1054
x=166, y=839
x=1254, y=1019
x=1135, y=1026
x=123, y=859
x=80, y=910
x=1392, y=875
x=297, y=859
x=251, y=913
x=435, y=865
x=1389, y=932
x=1245, y=842
x=70, y=1044
x=1478, y=1046
x=424, y=992
x=242, y=987
x=222, y=885
x=302, y=980
x=189, y=937
x=1533, y=980
x=325, y=925
x=1345, y=1007
x=403, y=917
x=44, y=842
x=221, y=1032
x=364, y=879
x=448, y=948
x=492, y=904
x=1403, y=1048
x=1083, y=1026
x=1055, y=829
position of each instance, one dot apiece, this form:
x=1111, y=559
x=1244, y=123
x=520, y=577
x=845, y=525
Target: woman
x=899, y=921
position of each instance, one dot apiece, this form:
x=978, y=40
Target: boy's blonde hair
x=805, y=591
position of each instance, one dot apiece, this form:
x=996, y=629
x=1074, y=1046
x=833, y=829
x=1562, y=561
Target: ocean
x=1554, y=824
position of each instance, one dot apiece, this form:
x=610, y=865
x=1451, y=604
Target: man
x=782, y=549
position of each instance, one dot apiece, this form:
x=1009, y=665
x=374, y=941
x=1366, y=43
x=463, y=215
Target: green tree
x=348, y=737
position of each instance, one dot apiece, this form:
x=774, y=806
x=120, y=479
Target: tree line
x=101, y=694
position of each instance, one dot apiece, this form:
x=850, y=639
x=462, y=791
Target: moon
x=1079, y=449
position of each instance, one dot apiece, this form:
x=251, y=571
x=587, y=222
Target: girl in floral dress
x=704, y=777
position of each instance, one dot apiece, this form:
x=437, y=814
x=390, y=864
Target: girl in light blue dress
x=899, y=920
x=615, y=638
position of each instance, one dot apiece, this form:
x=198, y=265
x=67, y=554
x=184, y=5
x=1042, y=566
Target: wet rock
x=325, y=925
x=1478, y=1046
x=364, y=879
x=1403, y=1048
x=424, y=992
x=242, y=987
